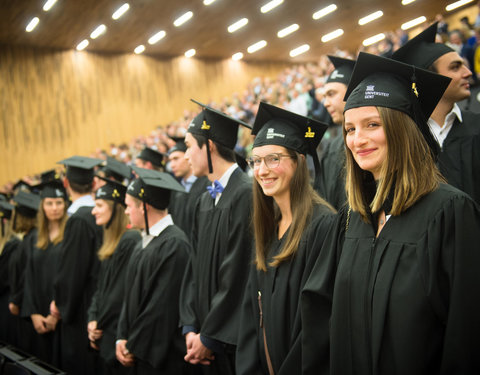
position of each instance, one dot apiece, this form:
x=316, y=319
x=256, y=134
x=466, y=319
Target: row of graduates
x=385, y=286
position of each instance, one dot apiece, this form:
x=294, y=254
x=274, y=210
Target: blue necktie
x=217, y=188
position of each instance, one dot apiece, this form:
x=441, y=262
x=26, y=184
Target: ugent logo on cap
x=370, y=92
x=271, y=134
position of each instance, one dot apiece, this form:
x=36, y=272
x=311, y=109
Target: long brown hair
x=43, y=236
x=23, y=224
x=266, y=214
x=8, y=235
x=409, y=166
x=112, y=234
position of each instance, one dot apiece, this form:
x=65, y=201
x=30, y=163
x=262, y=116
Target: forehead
x=335, y=86
x=268, y=149
x=360, y=113
x=176, y=155
x=190, y=140
x=445, y=60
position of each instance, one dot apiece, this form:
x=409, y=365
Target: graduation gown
x=280, y=289
x=108, y=298
x=182, y=205
x=6, y=319
x=459, y=159
x=331, y=182
x=74, y=286
x=218, y=267
x=405, y=302
x=149, y=317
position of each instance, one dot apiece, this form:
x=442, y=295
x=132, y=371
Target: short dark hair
x=224, y=152
x=81, y=188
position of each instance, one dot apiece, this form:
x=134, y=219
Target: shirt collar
x=156, y=229
x=84, y=201
x=457, y=111
x=228, y=173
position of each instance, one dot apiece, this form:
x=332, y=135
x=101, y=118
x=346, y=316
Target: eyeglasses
x=271, y=160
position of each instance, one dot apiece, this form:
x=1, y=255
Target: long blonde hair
x=409, y=167
x=43, y=236
x=113, y=234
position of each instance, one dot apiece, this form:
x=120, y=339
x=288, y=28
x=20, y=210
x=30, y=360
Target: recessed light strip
x=190, y=53
x=323, y=12
x=413, y=23
x=98, y=31
x=334, y=34
x=237, y=56
x=82, y=45
x=406, y=2
x=183, y=18
x=237, y=25
x=299, y=50
x=288, y=30
x=269, y=6
x=120, y=11
x=457, y=4
x=48, y=5
x=139, y=49
x=155, y=38
x=32, y=24
x=370, y=17
x=374, y=39
x=255, y=47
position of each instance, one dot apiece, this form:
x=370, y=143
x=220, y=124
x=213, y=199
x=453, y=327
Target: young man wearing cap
x=456, y=131
x=148, y=336
x=150, y=159
x=77, y=267
x=331, y=181
x=182, y=204
x=217, y=272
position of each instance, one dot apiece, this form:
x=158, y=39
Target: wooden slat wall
x=54, y=104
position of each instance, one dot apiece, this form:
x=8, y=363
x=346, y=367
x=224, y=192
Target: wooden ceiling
x=71, y=21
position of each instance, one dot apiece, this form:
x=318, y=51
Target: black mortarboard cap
x=151, y=155
x=422, y=51
x=382, y=82
x=80, y=169
x=51, y=186
x=22, y=185
x=343, y=70
x=6, y=210
x=116, y=169
x=217, y=126
x=27, y=203
x=179, y=145
x=112, y=191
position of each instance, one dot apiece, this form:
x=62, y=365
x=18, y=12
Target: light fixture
x=370, y=17
x=237, y=25
x=255, y=47
x=237, y=56
x=413, y=23
x=190, y=53
x=139, y=49
x=374, y=39
x=288, y=30
x=334, y=34
x=299, y=50
x=457, y=4
x=183, y=18
x=269, y=6
x=32, y=24
x=82, y=45
x=406, y=2
x=120, y=11
x=155, y=38
x=208, y=2
x=48, y=5
x=98, y=31
x=323, y=12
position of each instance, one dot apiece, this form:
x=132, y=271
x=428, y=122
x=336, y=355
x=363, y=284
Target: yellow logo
x=115, y=194
x=205, y=126
x=309, y=133
x=414, y=88
x=141, y=193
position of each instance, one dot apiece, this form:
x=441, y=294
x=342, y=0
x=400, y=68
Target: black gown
x=149, y=317
x=38, y=294
x=459, y=159
x=405, y=302
x=218, y=268
x=73, y=289
x=182, y=205
x=108, y=298
x=280, y=289
x=6, y=319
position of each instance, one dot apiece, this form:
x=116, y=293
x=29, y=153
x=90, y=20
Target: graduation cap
x=343, y=70
x=151, y=155
x=111, y=191
x=22, y=185
x=179, y=145
x=153, y=188
x=217, y=126
x=6, y=210
x=27, y=204
x=51, y=186
x=116, y=169
x=277, y=126
x=378, y=81
x=80, y=168
x=422, y=51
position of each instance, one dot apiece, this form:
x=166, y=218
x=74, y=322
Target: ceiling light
x=82, y=45
x=120, y=11
x=323, y=12
x=456, y=5
x=48, y=5
x=334, y=34
x=208, y=2
x=190, y=53
x=139, y=49
x=237, y=56
x=155, y=38
x=412, y=23
x=98, y=31
x=183, y=18
x=288, y=30
x=370, y=17
x=299, y=50
x=237, y=25
x=374, y=39
x=269, y=6
x=255, y=47
x=406, y=2
x=32, y=24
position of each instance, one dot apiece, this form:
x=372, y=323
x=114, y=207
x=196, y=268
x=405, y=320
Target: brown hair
x=23, y=224
x=43, y=236
x=266, y=214
x=112, y=234
x=409, y=166
x=8, y=235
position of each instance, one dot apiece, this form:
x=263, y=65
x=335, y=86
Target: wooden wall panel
x=54, y=104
